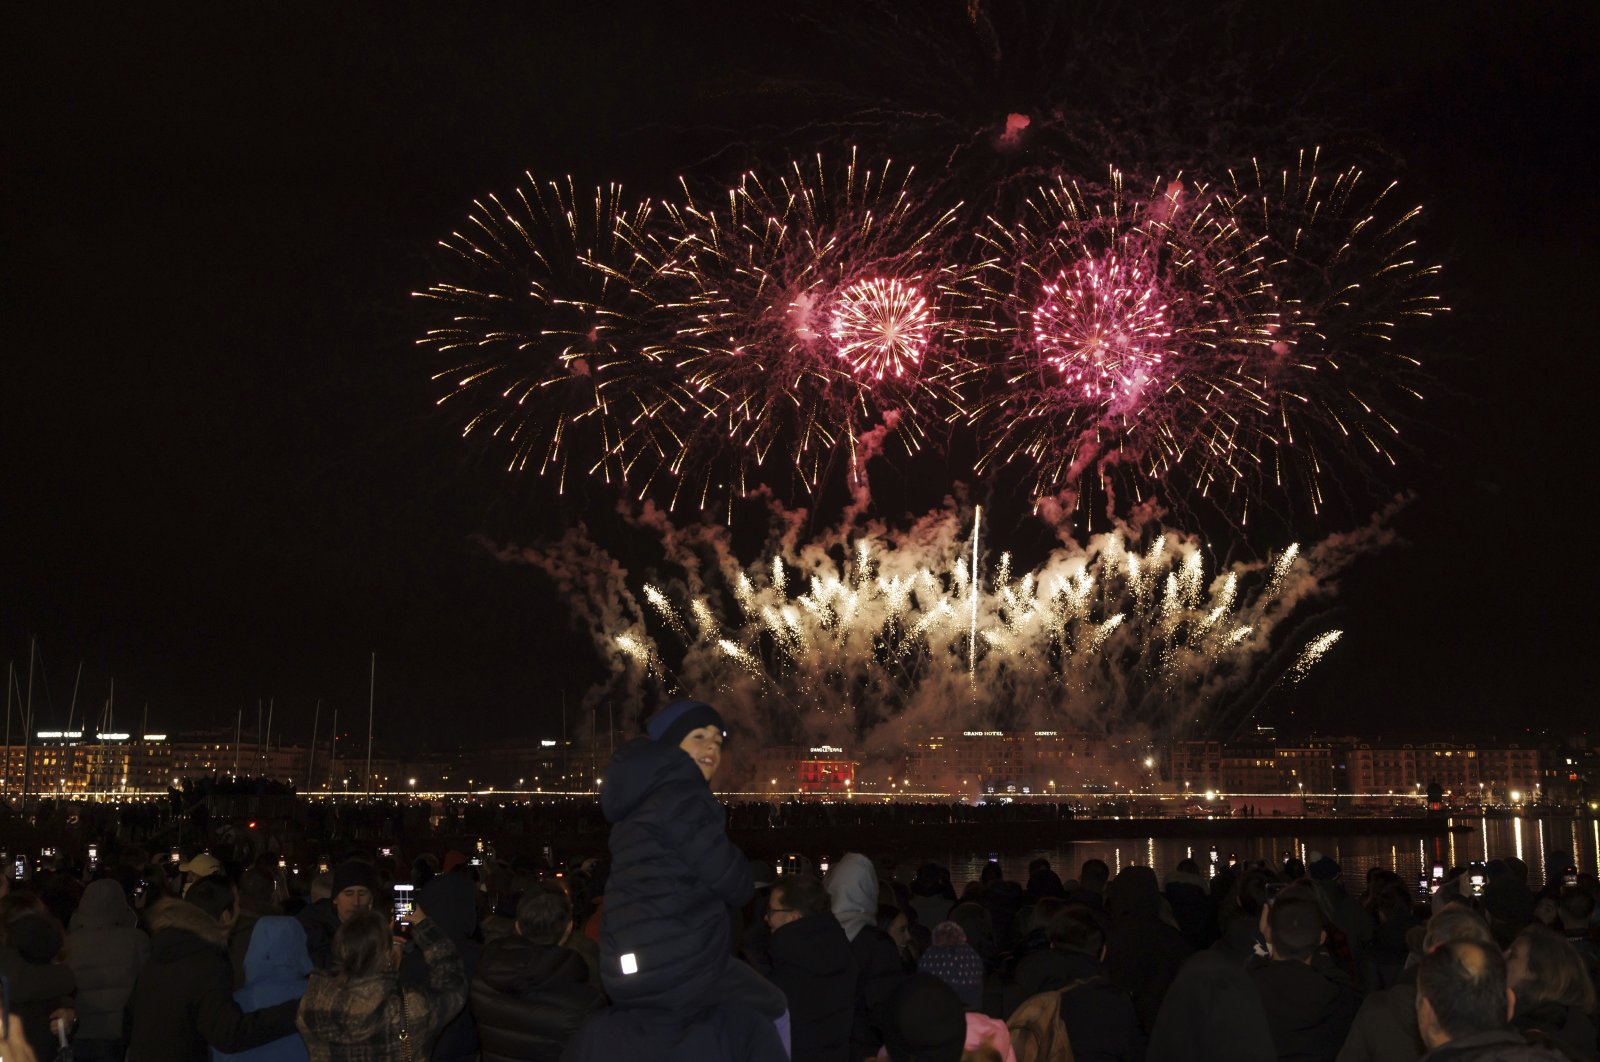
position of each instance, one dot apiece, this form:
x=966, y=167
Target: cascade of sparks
x=901, y=634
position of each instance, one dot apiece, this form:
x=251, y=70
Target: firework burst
x=882, y=326
x=814, y=305
x=1207, y=341
x=1347, y=275
x=1121, y=320
x=545, y=314
x=1103, y=326
x=903, y=629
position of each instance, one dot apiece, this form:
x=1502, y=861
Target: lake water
x=1533, y=840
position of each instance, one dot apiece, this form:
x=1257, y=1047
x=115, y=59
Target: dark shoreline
x=775, y=841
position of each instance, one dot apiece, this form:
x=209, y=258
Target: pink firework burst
x=882, y=326
x=1104, y=325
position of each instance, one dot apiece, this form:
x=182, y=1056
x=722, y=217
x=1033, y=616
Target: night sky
x=224, y=477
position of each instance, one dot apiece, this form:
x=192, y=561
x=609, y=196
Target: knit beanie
x=353, y=873
x=674, y=722
x=955, y=962
x=926, y=1022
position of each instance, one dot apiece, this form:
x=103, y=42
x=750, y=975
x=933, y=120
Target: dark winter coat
x=1212, y=1013
x=1194, y=909
x=1239, y=941
x=360, y=1019
x=450, y=901
x=728, y=1032
x=1565, y=1028
x=321, y=922
x=813, y=964
x=106, y=950
x=182, y=1004
x=674, y=873
x=38, y=984
x=1099, y=1017
x=530, y=999
x=1385, y=1028
x=1309, y=1008
x=1143, y=953
x=1002, y=899
x=275, y=970
x=1040, y=970
x=1501, y=1046
x=878, y=974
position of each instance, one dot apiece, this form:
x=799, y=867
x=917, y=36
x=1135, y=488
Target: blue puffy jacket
x=674, y=873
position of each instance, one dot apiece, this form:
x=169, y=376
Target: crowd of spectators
x=676, y=946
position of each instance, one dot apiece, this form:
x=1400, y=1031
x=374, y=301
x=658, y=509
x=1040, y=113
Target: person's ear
x=516, y=927
x=1427, y=1021
x=1322, y=938
x=566, y=935
x=1511, y=1001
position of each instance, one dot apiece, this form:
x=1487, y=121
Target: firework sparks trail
x=546, y=312
x=812, y=305
x=1313, y=652
x=1209, y=340
x=1121, y=319
x=1347, y=277
x=1215, y=341
x=882, y=634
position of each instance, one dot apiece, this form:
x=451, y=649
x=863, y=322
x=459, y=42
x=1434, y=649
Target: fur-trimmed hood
x=177, y=927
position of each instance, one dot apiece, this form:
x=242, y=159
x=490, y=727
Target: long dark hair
x=361, y=946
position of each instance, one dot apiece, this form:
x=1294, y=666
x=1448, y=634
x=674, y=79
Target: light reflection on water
x=1405, y=853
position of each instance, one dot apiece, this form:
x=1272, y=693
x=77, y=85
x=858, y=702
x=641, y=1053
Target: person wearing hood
x=360, y=1012
x=36, y=983
x=276, y=966
x=1309, y=1006
x=666, y=941
x=106, y=950
x=813, y=964
x=1143, y=952
x=451, y=901
x=1192, y=906
x=1385, y=1028
x=852, y=887
x=182, y=1005
x=1213, y=1013
x=531, y=993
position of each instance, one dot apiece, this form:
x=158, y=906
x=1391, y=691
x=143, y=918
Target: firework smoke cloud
x=871, y=635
